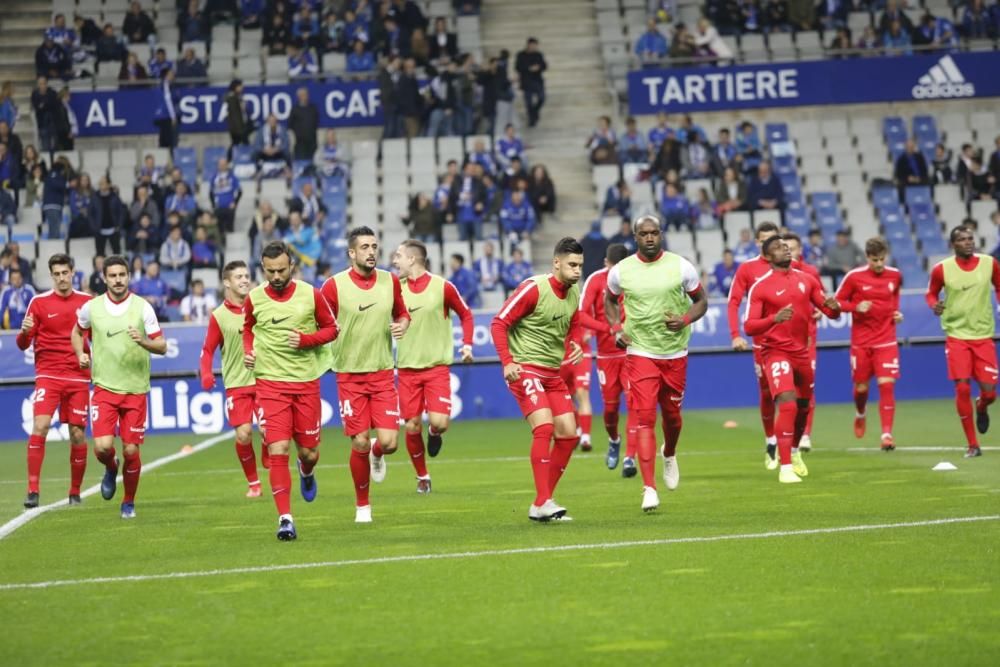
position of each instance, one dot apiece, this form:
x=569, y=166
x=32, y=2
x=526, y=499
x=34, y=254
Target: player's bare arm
x=612, y=311
x=153, y=345
x=76, y=340
x=398, y=328
x=699, y=306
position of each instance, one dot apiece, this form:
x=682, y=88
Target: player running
x=226, y=324
x=60, y=382
x=577, y=379
x=530, y=334
x=425, y=355
x=794, y=242
x=967, y=319
x=368, y=304
x=662, y=297
x=286, y=324
x=871, y=293
x=124, y=331
x=747, y=274
x=779, y=310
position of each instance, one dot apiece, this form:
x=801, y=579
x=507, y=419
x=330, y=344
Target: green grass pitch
x=895, y=595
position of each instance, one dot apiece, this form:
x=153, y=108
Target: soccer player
x=747, y=274
x=59, y=380
x=286, y=324
x=577, y=379
x=794, y=242
x=530, y=334
x=368, y=304
x=610, y=357
x=779, y=310
x=124, y=331
x=225, y=325
x=662, y=296
x=425, y=355
x=967, y=319
x=871, y=293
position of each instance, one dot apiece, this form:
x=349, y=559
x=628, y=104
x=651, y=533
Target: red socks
x=249, y=462
x=861, y=400
x=611, y=420
x=361, y=474
x=36, y=454
x=415, y=446
x=767, y=410
x=647, y=455
x=133, y=466
x=886, y=405
x=631, y=435
x=671, y=424
x=985, y=400
x=585, y=422
x=377, y=450
x=561, y=452
x=541, y=436
x=963, y=404
x=281, y=482
x=802, y=416
x=785, y=430
x=77, y=466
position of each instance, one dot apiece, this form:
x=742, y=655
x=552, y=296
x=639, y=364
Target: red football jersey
x=747, y=274
x=814, y=272
x=55, y=317
x=773, y=292
x=593, y=316
x=875, y=327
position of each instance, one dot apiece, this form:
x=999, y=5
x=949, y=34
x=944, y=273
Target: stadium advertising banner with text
x=821, y=82
x=118, y=112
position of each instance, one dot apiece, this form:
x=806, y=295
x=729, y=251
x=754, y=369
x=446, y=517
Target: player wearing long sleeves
x=871, y=295
x=966, y=315
x=425, y=355
x=794, y=242
x=287, y=324
x=59, y=380
x=368, y=303
x=530, y=334
x=225, y=330
x=747, y=274
x=778, y=316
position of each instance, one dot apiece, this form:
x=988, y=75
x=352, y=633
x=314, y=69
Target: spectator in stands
x=488, y=269
x=440, y=99
x=723, y=154
x=52, y=61
x=602, y=145
x=175, y=252
x=675, y=209
x=144, y=236
x=9, y=169
x=723, y=273
x=688, y=127
x=704, y=211
x=746, y=248
x=8, y=209
x=667, y=158
x=82, y=208
x=443, y=43
x=624, y=236
x=976, y=22
x=963, y=163
x=304, y=123
x=194, y=23
x=15, y=151
x=422, y=219
x=994, y=164
x=33, y=186
x=238, y=121
x=225, y=193
x=843, y=256
x=979, y=183
x=181, y=202
x=132, y=72
x=464, y=280
x=509, y=146
x=832, y=14
x=332, y=34
x=272, y=142
x=516, y=271
x=465, y=96
x=466, y=203
x=8, y=109
x=138, y=266
x=869, y=41
x=731, y=193
x=252, y=13
x=159, y=63
x=935, y=32
x=109, y=46
x=87, y=32
x=95, y=283
x=152, y=288
x=696, y=159
x=710, y=43
x=360, y=61
x=479, y=155
x=595, y=247
x=514, y=175
x=267, y=231
x=204, y=253
x=301, y=64
x=659, y=133
x=618, y=200
x=165, y=115
x=840, y=45
x=276, y=35
x=813, y=252
x=749, y=147
x=191, y=69
x=530, y=65
x=911, y=169
x=66, y=125
x=517, y=217
x=765, y=191
x=305, y=27
x=61, y=35
x=941, y=171
x=651, y=46
x=304, y=242
x=109, y=219
x=541, y=191
x=13, y=248
x=683, y=45
x=15, y=299
x=330, y=163
x=137, y=26
x=774, y=15
x=199, y=304
x=410, y=102
x=896, y=40
x=54, y=193
x=632, y=146
x=151, y=175
x=31, y=157
x=309, y=206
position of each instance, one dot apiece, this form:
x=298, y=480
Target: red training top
x=877, y=327
x=747, y=274
x=55, y=317
x=776, y=290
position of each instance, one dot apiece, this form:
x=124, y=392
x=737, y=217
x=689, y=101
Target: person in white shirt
x=175, y=253
x=199, y=304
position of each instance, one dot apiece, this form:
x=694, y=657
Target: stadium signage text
x=721, y=86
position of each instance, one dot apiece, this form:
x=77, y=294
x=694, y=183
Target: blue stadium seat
x=925, y=129
x=242, y=154
x=825, y=202
x=300, y=167
x=783, y=164
x=893, y=129
x=896, y=148
x=185, y=155
x=902, y=248
x=175, y=280
x=884, y=197
x=189, y=172
x=917, y=194
x=934, y=245
x=775, y=132
x=797, y=220
x=210, y=158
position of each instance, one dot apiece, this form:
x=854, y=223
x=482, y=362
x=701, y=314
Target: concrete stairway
x=22, y=23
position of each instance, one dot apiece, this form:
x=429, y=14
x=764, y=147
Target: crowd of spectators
x=975, y=170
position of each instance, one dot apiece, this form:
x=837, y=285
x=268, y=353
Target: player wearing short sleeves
x=124, y=331
x=287, y=324
x=530, y=334
x=871, y=294
x=225, y=329
x=778, y=315
x=368, y=304
x=747, y=274
x=661, y=296
x=60, y=383
x=966, y=315
x=425, y=354
x=795, y=247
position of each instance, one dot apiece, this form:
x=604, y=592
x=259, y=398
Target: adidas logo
x=943, y=80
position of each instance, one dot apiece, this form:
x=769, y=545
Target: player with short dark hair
x=225, y=328
x=661, y=296
x=871, y=294
x=530, y=334
x=124, y=331
x=779, y=311
x=368, y=304
x=286, y=325
x=59, y=380
x=424, y=356
x=966, y=315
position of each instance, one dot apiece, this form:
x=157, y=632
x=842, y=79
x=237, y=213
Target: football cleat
x=614, y=449
x=799, y=465
x=378, y=467
x=787, y=475
x=770, y=461
x=973, y=452
x=74, y=499
x=307, y=485
x=286, y=529
x=128, y=510
x=805, y=443
x=423, y=485
x=859, y=426
x=982, y=421
x=628, y=467
x=363, y=514
x=888, y=444
x=253, y=491
x=585, y=445
x=434, y=442
x=671, y=472
x=650, y=499
x=108, y=483
x=31, y=501
x=548, y=510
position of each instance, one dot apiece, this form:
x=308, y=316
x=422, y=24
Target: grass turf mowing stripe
x=15, y=523
x=497, y=552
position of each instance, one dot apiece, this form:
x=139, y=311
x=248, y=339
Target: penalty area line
x=23, y=519
x=496, y=553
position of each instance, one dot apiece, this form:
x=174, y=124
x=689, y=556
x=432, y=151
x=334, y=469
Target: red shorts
x=611, y=376
x=287, y=416
x=539, y=389
x=424, y=389
x=367, y=401
x=70, y=397
x=881, y=362
x=576, y=376
x=968, y=359
x=118, y=414
x=652, y=381
x=789, y=371
x=241, y=405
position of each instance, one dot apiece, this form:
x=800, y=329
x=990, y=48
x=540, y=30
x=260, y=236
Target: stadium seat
x=766, y=215
x=885, y=197
x=893, y=129
x=208, y=276
x=776, y=132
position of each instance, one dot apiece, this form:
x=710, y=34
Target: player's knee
x=861, y=387
x=243, y=434
x=279, y=448
x=611, y=407
x=413, y=425
x=40, y=426
x=963, y=389
x=439, y=422
x=646, y=418
x=308, y=455
x=387, y=441
x=784, y=397
x=77, y=435
x=361, y=443
x=131, y=449
x=803, y=402
x=546, y=430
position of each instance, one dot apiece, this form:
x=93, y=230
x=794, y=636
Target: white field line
x=496, y=553
x=21, y=520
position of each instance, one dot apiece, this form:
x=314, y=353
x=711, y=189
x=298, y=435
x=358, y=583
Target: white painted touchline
x=496, y=552
x=18, y=521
